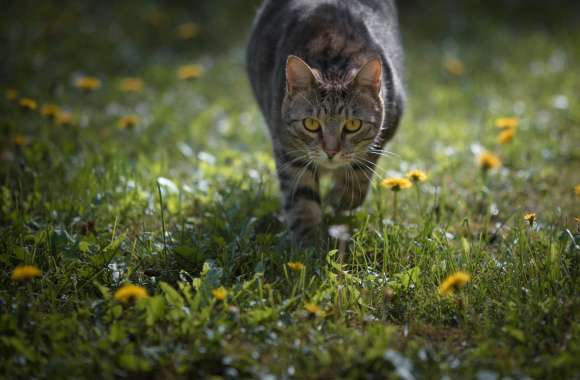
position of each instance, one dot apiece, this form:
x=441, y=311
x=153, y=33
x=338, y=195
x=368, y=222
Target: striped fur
x=332, y=61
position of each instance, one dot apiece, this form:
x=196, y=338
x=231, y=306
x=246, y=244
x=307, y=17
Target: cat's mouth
x=334, y=163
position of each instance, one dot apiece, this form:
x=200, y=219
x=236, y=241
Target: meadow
x=140, y=229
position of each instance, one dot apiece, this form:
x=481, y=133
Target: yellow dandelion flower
x=19, y=140
x=530, y=217
x=88, y=83
x=11, y=94
x=28, y=104
x=220, y=293
x=507, y=122
x=128, y=121
x=454, y=282
x=25, y=272
x=577, y=219
x=396, y=184
x=506, y=136
x=417, y=176
x=188, y=31
x=64, y=118
x=313, y=309
x=488, y=160
x=577, y=190
x=131, y=85
x=50, y=111
x=157, y=18
x=130, y=292
x=189, y=72
x=296, y=266
x=454, y=67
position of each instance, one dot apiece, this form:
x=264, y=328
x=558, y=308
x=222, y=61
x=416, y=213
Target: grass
x=186, y=202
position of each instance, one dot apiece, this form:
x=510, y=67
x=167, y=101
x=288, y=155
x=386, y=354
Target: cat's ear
x=299, y=75
x=369, y=76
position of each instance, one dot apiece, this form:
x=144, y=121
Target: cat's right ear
x=299, y=75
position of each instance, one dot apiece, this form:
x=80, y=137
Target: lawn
x=166, y=182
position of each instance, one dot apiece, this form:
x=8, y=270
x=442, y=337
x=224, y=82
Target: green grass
x=88, y=204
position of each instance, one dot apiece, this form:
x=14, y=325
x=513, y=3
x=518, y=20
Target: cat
x=328, y=77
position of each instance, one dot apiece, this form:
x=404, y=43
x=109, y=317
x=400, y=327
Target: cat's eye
x=311, y=125
x=352, y=125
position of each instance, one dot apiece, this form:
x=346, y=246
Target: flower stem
x=395, y=213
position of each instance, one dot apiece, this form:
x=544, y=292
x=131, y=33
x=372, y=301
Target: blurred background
x=61, y=36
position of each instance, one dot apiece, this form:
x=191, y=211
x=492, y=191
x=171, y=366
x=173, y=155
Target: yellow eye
x=352, y=125
x=311, y=125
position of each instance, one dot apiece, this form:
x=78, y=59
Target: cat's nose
x=331, y=153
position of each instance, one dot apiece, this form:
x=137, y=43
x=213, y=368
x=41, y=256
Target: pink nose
x=331, y=153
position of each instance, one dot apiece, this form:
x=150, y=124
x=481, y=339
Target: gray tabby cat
x=327, y=75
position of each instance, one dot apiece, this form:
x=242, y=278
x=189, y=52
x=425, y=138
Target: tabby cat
x=327, y=75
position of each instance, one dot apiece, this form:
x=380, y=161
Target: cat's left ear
x=369, y=76
x=299, y=75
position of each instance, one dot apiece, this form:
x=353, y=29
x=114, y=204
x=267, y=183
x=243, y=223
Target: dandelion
x=396, y=184
x=128, y=293
x=128, y=121
x=220, y=293
x=64, y=118
x=507, y=122
x=156, y=18
x=506, y=136
x=296, y=266
x=11, y=94
x=88, y=83
x=530, y=217
x=488, y=160
x=131, y=85
x=50, y=111
x=454, y=67
x=189, y=72
x=577, y=190
x=25, y=273
x=28, y=104
x=454, y=282
x=188, y=31
x=19, y=140
x=313, y=309
x=417, y=176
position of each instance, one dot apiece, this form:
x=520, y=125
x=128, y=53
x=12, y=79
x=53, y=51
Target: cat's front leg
x=299, y=183
x=351, y=185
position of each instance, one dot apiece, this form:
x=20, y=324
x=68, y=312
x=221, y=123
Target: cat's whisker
x=286, y=164
x=367, y=166
x=381, y=151
x=384, y=153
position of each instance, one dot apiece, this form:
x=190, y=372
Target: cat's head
x=332, y=123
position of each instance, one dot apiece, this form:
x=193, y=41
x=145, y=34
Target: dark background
x=32, y=25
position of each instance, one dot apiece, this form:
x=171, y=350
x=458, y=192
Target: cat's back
x=328, y=34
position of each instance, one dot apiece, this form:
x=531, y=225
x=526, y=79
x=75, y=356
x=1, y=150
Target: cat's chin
x=333, y=165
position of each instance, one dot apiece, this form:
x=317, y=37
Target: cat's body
x=327, y=75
